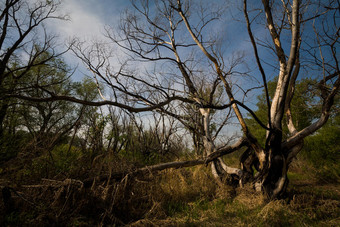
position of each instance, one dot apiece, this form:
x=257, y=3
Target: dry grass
x=191, y=198
x=180, y=197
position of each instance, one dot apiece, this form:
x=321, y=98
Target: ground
x=174, y=197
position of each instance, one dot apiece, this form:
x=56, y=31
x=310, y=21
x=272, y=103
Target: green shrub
x=322, y=150
x=10, y=145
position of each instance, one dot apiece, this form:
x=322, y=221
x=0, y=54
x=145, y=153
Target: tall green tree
x=21, y=31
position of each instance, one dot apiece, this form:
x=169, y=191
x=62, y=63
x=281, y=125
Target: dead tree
x=293, y=20
x=175, y=39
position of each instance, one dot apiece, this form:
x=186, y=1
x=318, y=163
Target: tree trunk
x=272, y=179
x=275, y=179
x=219, y=169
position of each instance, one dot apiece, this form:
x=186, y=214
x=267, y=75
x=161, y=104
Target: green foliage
x=323, y=150
x=305, y=108
x=145, y=146
x=141, y=147
x=62, y=160
x=11, y=144
x=42, y=119
x=86, y=89
x=65, y=158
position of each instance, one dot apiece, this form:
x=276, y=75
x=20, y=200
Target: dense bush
x=322, y=150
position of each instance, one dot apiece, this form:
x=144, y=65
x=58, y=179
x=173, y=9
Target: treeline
x=61, y=137
x=58, y=136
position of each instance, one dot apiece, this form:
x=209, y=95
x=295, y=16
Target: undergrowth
x=173, y=197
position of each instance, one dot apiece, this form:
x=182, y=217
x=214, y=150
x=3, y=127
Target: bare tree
x=295, y=19
x=169, y=48
x=149, y=36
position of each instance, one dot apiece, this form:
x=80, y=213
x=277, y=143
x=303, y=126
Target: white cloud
x=84, y=23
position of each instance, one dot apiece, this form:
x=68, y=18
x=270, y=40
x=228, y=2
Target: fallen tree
x=175, y=165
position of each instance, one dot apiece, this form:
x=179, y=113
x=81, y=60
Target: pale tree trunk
x=258, y=152
x=272, y=178
x=219, y=169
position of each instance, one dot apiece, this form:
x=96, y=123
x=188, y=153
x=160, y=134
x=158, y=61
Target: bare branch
x=169, y=165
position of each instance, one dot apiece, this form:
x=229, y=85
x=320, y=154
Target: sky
x=86, y=22
x=87, y=19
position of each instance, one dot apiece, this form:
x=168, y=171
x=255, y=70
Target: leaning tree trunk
x=220, y=170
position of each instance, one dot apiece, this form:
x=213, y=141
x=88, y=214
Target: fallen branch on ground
x=169, y=165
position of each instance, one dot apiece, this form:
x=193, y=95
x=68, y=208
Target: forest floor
x=309, y=202
x=174, y=197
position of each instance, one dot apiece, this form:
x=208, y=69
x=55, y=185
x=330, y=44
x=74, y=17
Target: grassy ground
x=182, y=197
x=309, y=203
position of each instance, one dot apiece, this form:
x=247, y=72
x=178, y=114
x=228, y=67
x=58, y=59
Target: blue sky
x=89, y=17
